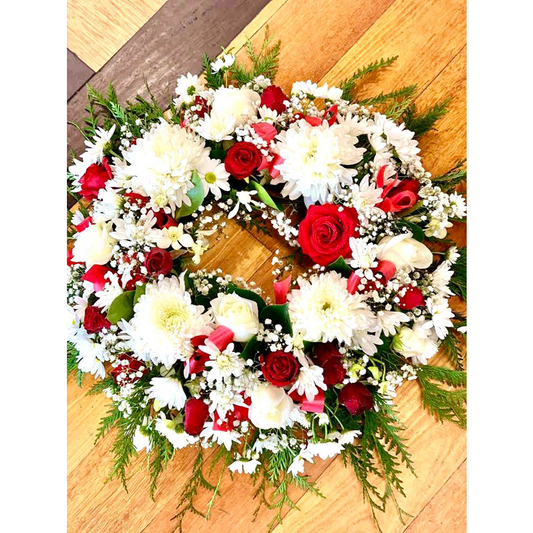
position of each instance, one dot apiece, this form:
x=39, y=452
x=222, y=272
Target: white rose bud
x=239, y=103
x=238, y=314
x=404, y=251
x=270, y=407
x=419, y=343
x=94, y=245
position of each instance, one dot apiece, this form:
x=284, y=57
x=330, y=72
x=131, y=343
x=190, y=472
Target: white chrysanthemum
x=108, y=205
x=315, y=160
x=223, y=62
x=141, y=441
x=73, y=323
x=363, y=254
x=298, y=465
x=365, y=196
x=162, y=163
x=323, y=310
x=178, y=439
x=305, y=87
x=214, y=176
x=310, y=379
x=131, y=231
x=246, y=467
x=389, y=321
x=216, y=127
x=458, y=205
x=324, y=450
x=226, y=438
x=165, y=321
x=222, y=364
x=95, y=147
x=441, y=277
x=187, y=88
x=441, y=315
x=366, y=342
x=91, y=354
x=167, y=391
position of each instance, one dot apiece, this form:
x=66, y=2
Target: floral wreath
x=197, y=358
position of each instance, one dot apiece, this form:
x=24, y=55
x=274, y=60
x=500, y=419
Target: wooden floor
x=323, y=41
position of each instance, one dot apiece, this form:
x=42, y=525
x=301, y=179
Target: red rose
x=273, y=98
x=402, y=197
x=96, y=276
x=196, y=413
x=323, y=351
x=329, y=358
x=242, y=159
x=158, y=261
x=126, y=371
x=280, y=368
x=412, y=298
x=356, y=398
x=325, y=232
x=131, y=284
x=94, y=179
x=94, y=320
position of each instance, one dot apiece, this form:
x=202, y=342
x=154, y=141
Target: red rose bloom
x=94, y=179
x=126, y=371
x=280, y=368
x=273, y=98
x=242, y=159
x=329, y=358
x=411, y=299
x=356, y=398
x=158, y=261
x=325, y=232
x=196, y=413
x=94, y=320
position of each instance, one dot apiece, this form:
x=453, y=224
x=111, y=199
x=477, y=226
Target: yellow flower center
x=210, y=177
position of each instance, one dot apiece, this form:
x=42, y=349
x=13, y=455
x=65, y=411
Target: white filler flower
x=167, y=392
x=165, y=321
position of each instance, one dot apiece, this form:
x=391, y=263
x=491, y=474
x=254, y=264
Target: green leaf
x=341, y=266
x=279, y=314
x=121, y=307
x=196, y=194
x=250, y=348
x=139, y=291
x=249, y=295
x=417, y=231
x=263, y=195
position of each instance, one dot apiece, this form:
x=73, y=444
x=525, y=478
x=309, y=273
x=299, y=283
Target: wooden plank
x=447, y=509
x=78, y=73
x=170, y=44
x=97, y=30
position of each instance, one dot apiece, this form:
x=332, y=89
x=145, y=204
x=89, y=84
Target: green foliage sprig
x=348, y=85
x=458, y=281
x=424, y=122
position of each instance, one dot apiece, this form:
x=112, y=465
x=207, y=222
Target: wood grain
x=323, y=42
x=78, y=73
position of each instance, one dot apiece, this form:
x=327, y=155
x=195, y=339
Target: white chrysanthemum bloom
x=298, y=465
x=244, y=198
x=214, y=176
x=347, y=437
x=91, y=355
x=268, y=115
x=246, y=467
x=315, y=160
x=94, y=245
x=222, y=364
x=310, y=379
x=95, y=147
x=162, y=163
x=363, y=254
x=441, y=277
x=225, y=438
x=323, y=310
x=441, y=315
x=223, y=62
x=306, y=87
x=452, y=255
x=165, y=321
x=328, y=93
x=458, y=205
x=216, y=127
x=324, y=450
x=111, y=290
x=390, y=321
x=108, y=205
x=366, y=342
x=168, y=392
x=178, y=439
x=365, y=196
x=357, y=125
x=73, y=323
x=187, y=88
x=131, y=231
x=80, y=304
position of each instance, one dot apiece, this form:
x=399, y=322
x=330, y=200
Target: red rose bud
x=356, y=398
x=94, y=320
x=334, y=371
x=325, y=232
x=131, y=284
x=412, y=298
x=158, y=261
x=94, y=179
x=280, y=368
x=324, y=351
x=273, y=98
x=242, y=159
x=196, y=413
x=197, y=361
x=96, y=276
x=84, y=224
x=126, y=371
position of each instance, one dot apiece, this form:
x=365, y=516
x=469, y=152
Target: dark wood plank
x=78, y=74
x=170, y=44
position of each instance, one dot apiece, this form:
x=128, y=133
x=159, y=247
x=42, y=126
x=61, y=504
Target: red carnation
x=126, y=371
x=412, y=298
x=158, y=261
x=273, y=98
x=280, y=368
x=94, y=320
x=196, y=413
x=325, y=232
x=242, y=159
x=94, y=179
x=356, y=398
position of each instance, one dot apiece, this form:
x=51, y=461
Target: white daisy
x=165, y=321
x=226, y=438
x=323, y=310
x=310, y=379
x=246, y=467
x=108, y=205
x=458, y=205
x=224, y=62
x=187, y=88
x=324, y=450
x=214, y=176
x=141, y=441
x=244, y=198
x=91, y=355
x=297, y=466
x=168, y=392
x=178, y=439
x=441, y=315
x=441, y=277
x=222, y=364
x=95, y=147
x=73, y=323
x=389, y=321
x=131, y=231
x=365, y=196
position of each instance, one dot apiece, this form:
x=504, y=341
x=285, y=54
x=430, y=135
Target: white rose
x=404, y=251
x=94, y=245
x=238, y=314
x=419, y=343
x=238, y=103
x=270, y=407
